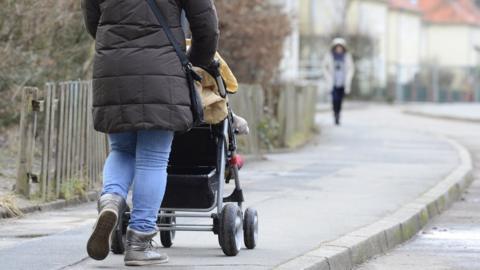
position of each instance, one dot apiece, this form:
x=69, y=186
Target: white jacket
x=328, y=69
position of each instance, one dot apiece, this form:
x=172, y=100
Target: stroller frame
x=230, y=222
x=237, y=195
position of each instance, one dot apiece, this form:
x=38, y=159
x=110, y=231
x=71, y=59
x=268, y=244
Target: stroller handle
x=214, y=70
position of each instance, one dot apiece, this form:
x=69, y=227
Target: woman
x=338, y=71
x=140, y=98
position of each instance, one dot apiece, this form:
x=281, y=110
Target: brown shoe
x=110, y=207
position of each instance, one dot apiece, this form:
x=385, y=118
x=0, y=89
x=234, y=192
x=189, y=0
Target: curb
x=48, y=206
x=358, y=246
x=440, y=116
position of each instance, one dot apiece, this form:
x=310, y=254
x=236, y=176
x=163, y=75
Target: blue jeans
x=139, y=158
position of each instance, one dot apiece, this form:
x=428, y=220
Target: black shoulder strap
x=166, y=28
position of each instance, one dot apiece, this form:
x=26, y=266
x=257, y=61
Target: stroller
x=201, y=162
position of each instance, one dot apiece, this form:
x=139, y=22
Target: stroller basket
x=192, y=171
x=190, y=188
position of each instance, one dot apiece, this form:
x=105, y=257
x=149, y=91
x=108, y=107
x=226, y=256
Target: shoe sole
x=143, y=263
x=98, y=245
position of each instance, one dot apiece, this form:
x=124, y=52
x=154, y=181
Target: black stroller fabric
x=192, y=174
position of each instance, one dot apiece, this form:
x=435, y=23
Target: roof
x=450, y=11
x=405, y=5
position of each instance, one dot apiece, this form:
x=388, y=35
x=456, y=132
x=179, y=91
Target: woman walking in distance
x=338, y=71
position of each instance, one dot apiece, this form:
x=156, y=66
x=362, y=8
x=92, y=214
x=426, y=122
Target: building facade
x=370, y=18
x=290, y=65
x=418, y=45
x=404, y=45
x=451, y=42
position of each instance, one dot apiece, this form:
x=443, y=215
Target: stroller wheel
x=231, y=230
x=118, y=235
x=167, y=237
x=250, y=228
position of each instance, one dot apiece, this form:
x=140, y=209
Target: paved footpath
x=350, y=177
x=452, y=240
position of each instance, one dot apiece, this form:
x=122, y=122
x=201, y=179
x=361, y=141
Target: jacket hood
x=339, y=41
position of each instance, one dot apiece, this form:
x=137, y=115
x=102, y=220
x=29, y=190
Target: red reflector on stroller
x=238, y=161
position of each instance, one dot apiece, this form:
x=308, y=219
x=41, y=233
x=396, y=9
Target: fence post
x=89, y=141
x=83, y=127
x=60, y=156
x=76, y=130
x=25, y=146
x=53, y=142
x=69, y=131
x=44, y=174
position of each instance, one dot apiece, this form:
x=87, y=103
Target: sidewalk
x=350, y=177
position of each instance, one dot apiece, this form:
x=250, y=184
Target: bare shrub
x=39, y=41
x=252, y=38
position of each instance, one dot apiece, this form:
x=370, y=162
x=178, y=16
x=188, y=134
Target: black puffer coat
x=138, y=81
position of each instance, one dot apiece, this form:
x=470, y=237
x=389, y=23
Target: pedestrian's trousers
x=337, y=97
x=139, y=159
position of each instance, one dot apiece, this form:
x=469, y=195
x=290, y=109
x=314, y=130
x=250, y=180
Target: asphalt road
x=347, y=178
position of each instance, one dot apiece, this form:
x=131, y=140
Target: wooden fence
x=296, y=110
x=60, y=154
x=248, y=103
x=287, y=111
